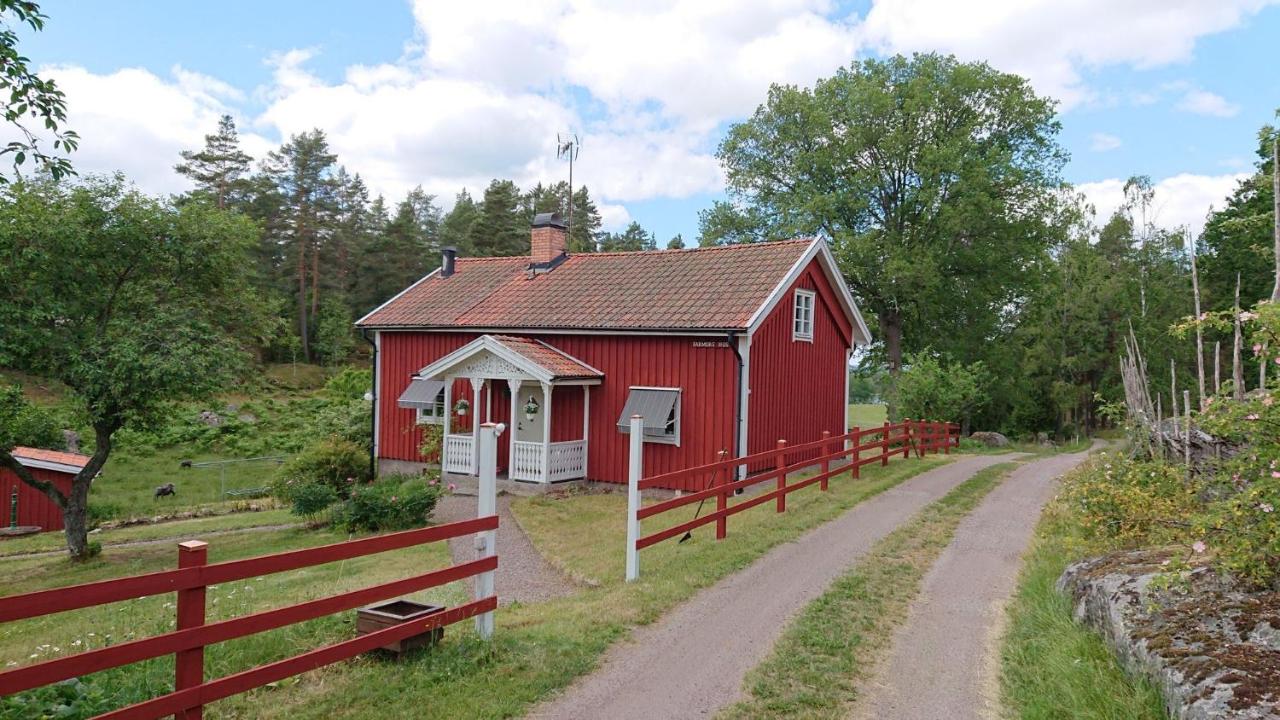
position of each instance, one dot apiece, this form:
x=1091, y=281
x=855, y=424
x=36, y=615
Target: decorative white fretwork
x=487, y=365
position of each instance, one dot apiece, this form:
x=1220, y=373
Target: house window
x=802, y=316
x=660, y=409
x=426, y=398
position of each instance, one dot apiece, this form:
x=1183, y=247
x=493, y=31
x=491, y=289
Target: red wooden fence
x=887, y=441
x=187, y=642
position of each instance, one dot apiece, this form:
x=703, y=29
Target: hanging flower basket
x=461, y=408
x=531, y=408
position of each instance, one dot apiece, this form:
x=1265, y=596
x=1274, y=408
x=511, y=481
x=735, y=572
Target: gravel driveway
x=692, y=662
x=944, y=662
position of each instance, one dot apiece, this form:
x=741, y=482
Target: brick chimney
x=547, y=241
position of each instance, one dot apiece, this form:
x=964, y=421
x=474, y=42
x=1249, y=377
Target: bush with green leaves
x=25, y=423
x=337, y=463
x=310, y=500
x=930, y=389
x=392, y=502
x=350, y=383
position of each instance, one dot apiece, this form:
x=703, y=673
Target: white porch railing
x=459, y=454
x=567, y=461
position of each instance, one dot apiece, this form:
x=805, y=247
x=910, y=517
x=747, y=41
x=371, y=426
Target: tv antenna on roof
x=568, y=147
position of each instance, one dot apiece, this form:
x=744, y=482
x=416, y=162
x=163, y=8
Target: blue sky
x=449, y=95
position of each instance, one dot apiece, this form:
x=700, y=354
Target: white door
x=530, y=430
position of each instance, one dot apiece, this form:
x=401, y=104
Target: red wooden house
x=723, y=348
x=34, y=507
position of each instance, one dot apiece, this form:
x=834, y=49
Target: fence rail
x=192, y=635
x=887, y=441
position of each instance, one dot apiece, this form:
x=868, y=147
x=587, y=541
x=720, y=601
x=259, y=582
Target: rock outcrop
x=1212, y=649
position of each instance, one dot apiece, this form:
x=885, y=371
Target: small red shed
x=722, y=348
x=34, y=507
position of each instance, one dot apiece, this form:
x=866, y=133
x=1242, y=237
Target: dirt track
x=943, y=664
x=692, y=661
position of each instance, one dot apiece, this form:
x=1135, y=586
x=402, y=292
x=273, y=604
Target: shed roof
x=49, y=459
x=715, y=288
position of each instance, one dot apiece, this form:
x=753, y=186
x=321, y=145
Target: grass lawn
x=176, y=530
x=126, y=487
x=865, y=416
x=536, y=650
x=815, y=668
x=1051, y=667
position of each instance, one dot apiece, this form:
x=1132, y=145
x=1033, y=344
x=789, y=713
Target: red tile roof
x=701, y=288
x=50, y=456
x=560, y=364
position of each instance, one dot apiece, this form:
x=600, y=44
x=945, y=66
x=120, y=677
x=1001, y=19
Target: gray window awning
x=655, y=406
x=421, y=394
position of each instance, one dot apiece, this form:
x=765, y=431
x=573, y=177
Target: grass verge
x=1052, y=667
x=814, y=669
x=169, y=530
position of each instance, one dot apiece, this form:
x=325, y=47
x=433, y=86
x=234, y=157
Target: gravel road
x=944, y=662
x=692, y=662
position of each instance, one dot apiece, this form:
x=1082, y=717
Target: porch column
x=448, y=413
x=514, y=385
x=477, y=384
x=586, y=427
x=546, y=433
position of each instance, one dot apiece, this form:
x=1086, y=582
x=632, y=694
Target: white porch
x=535, y=374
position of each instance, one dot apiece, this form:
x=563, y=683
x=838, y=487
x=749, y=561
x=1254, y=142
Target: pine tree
x=455, y=229
x=218, y=168
x=501, y=228
x=676, y=243
x=632, y=239
x=301, y=174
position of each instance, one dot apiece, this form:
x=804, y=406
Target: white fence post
x=487, y=504
x=635, y=468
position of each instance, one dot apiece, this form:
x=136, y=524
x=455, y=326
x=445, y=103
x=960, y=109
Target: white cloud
x=1182, y=200
x=137, y=122
x=1053, y=41
x=1203, y=102
x=1102, y=142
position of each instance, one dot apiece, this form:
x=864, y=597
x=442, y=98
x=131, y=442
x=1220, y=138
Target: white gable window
x=660, y=408
x=802, y=316
x=426, y=398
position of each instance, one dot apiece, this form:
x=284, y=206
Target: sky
x=448, y=95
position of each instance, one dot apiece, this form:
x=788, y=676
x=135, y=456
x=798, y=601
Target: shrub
x=931, y=390
x=1132, y=502
x=27, y=424
x=334, y=462
x=310, y=500
x=350, y=383
x=393, y=502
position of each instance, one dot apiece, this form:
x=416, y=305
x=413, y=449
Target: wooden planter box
x=394, y=612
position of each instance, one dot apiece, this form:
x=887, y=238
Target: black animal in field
x=166, y=489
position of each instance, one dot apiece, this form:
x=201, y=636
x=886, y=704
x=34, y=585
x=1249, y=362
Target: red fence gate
x=890, y=440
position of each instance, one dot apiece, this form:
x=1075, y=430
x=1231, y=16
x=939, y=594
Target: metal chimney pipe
x=448, y=259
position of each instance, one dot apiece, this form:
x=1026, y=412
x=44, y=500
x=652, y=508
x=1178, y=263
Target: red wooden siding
x=706, y=376
x=797, y=387
x=34, y=507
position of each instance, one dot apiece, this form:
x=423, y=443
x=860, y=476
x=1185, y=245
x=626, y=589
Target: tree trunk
x=75, y=514
x=1195, y=286
x=301, y=241
x=891, y=327
x=1237, y=369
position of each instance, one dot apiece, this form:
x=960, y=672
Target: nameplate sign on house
x=710, y=344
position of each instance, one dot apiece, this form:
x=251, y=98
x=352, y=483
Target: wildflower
x=393, y=498
x=1275, y=473
x=1251, y=416
x=452, y=487
x=1257, y=348
x=1246, y=316
x=1198, y=546
x=434, y=482
x=1267, y=508
x=350, y=480
x=1268, y=401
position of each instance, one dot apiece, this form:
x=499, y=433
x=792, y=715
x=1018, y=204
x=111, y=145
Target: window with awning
x=660, y=409
x=426, y=398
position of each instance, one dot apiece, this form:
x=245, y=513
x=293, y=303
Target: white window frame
x=802, y=325
x=674, y=438
x=435, y=417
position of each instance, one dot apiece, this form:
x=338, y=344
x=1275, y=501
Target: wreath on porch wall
x=530, y=408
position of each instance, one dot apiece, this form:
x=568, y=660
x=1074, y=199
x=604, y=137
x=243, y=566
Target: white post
x=546, y=432
x=444, y=427
x=514, y=385
x=486, y=505
x=477, y=384
x=635, y=470
x=586, y=427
